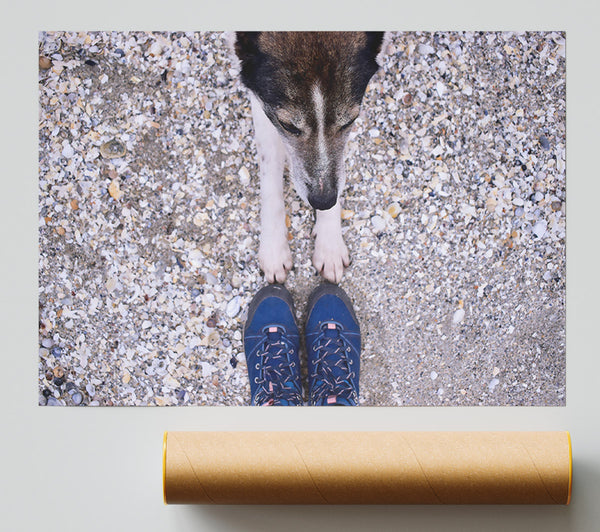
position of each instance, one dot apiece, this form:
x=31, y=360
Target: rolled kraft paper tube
x=367, y=467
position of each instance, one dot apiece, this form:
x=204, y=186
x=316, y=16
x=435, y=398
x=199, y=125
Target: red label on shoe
x=332, y=399
x=331, y=325
x=272, y=329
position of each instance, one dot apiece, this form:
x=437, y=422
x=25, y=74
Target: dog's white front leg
x=331, y=253
x=274, y=254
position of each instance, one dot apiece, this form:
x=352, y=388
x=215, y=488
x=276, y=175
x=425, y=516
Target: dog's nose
x=322, y=203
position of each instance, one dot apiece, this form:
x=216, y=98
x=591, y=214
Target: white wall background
x=69, y=469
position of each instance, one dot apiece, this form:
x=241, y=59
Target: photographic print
x=401, y=196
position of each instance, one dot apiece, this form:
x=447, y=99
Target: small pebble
x=45, y=63
x=394, y=210
x=211, y=279
x=196, y=258
x=233, y=307
x=113, y=149
x=378, y=223
x=67, y=150
x=233, y=361
x=539, y=229
x=111, y=284
x=545, y=142
x=407, y=99
x=458, y=316
x=440, y=88
x=77, y=398
x=213, y=339
x=114, y=189
x=207, y=369
x=492, y=384
x=52, y=401
x=244, y=176
x=425, y=49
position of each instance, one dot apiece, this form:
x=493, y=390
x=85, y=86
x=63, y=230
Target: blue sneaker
x=333, y=347
x=271, y=343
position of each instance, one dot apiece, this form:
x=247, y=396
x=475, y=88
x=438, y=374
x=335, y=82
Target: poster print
x=453, y=214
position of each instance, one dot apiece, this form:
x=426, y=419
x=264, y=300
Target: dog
x=306, y=90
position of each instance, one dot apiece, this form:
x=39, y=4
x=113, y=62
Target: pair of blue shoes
x=272, y=344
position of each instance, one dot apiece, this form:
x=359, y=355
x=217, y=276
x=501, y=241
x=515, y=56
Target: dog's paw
x=275, y=259
x=330, y=258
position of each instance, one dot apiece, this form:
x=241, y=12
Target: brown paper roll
x=367, y=467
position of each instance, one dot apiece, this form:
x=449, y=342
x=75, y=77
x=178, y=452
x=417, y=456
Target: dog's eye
x=290, y=128
x=348, y=124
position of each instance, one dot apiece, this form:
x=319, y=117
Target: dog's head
x=310, y=85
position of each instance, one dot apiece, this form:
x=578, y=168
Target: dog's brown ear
x=246, y=44
x=247, y=49
x=377, y=42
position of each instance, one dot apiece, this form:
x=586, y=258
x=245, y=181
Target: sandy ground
x=454, y=215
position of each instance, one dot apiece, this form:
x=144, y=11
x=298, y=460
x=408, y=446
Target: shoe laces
x=278, y=382
x=333, y=369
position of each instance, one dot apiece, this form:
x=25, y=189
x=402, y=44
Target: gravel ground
x=454, y=215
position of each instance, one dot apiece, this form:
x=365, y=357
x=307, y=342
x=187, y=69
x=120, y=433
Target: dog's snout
x=322, y=202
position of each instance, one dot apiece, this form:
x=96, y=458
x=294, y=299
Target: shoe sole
x=271, y=290
x=329, y=288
